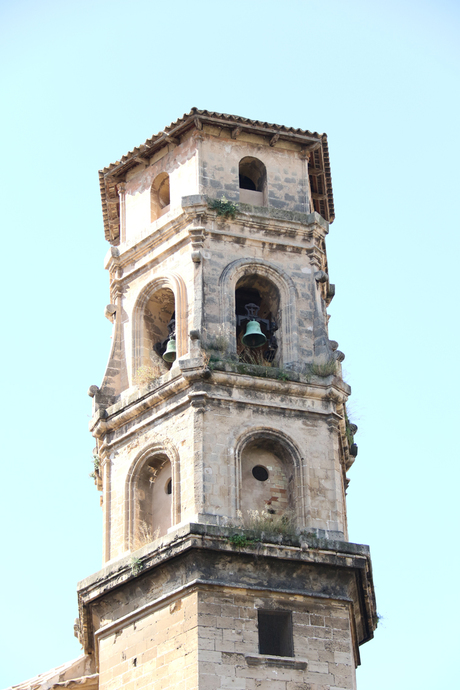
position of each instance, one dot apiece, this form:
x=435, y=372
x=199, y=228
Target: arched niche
x=269, y=476
x=251, y=272
x=257, y=298
x=252, y=181
x=159, y=196
x=159, y=303
x=159, y=324
x=152, y=500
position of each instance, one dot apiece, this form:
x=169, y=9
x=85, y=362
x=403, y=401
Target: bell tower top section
x=214, y=155
x=223, y=393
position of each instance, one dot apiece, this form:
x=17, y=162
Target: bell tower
x=222, y=437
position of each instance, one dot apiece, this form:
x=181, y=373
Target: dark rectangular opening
x=275, y=633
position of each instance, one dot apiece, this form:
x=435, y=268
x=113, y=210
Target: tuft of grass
x=377, y=619
x=240, y=540
x=350, y=437
x=260, y=522
x=250, y=356
x=96, y=464
x=223, y=207
x=136, y=566
x=257, y=526
x=146, y=375
x=323, y=370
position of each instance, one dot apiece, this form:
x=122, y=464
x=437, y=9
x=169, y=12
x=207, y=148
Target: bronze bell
x=170, y=354
x=253, y=336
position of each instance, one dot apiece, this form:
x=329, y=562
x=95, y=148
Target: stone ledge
x=193, y=554
x=263, y=211
x=135, y=402
x=282, y=661
x=303, y=548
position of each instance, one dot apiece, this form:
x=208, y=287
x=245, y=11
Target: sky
x=82, y=84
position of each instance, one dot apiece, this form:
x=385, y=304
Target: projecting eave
x=195, y=119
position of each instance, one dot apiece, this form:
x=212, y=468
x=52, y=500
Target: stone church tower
x=222, y=438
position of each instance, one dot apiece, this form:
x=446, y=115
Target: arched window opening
x=252, y=181
x=152, y=500
x=159, y=196
x=159, y=329
x=267, y=484
x=257, y=319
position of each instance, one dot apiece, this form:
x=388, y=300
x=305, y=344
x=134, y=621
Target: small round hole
x=168, y=487
x=260, y=473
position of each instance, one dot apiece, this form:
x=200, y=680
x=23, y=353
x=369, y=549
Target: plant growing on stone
x=377, y=619
x=283, y=376
x=323, y=370
x=240, y=540
x=96, y=464
x=136, y=566
x=263, y=521
x=223, y=207
x=146, y=375
x=348, y=431
x=258, y=525
x=250, y=356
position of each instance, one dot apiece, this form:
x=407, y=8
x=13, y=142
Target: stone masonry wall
x=318, y=487
x=287, y=185
x=207, y=481
x=158, y=651
x=181, y=163
x=209, y=640
x=255, y=245
x=228, y=635
x=178, y=430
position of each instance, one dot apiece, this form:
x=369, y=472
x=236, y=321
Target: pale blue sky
x=83, y=83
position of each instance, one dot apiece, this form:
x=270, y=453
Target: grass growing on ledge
x=258, y=526
x=327, y=369
x=136, y=566
x=223, y=207
x=274, y=523
x=251, y=356
x=240, y=540
x=269, y=371
x=146, y=375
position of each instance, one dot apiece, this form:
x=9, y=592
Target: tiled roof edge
x=192, y=119
x=206, y=114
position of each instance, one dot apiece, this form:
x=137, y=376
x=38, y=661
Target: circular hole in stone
x=168, y=487
x=260, y=473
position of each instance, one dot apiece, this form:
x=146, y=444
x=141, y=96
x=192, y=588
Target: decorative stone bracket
x=110, y=312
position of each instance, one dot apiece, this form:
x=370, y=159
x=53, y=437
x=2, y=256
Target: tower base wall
x=186, y=613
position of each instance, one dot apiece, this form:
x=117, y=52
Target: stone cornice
x=191, y=386
x=285, y=230
x=308, y=551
